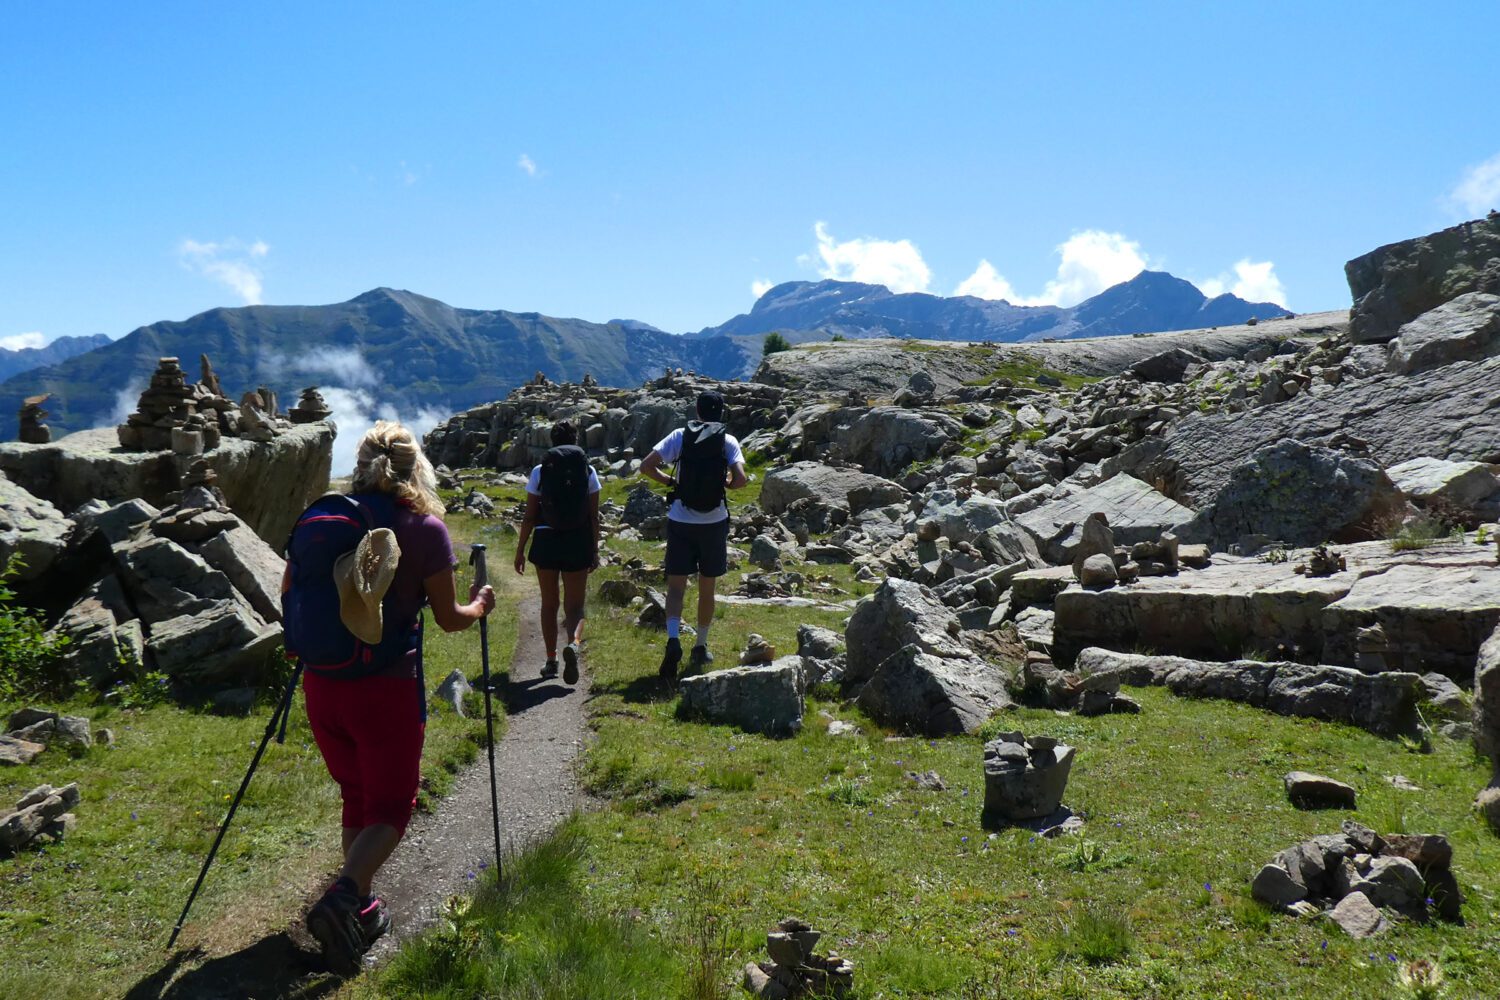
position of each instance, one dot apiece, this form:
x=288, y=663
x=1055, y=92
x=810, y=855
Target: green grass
x=1183, y=802
x=105, y=900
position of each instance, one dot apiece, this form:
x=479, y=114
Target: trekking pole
x=481, y=578
x=283, y=709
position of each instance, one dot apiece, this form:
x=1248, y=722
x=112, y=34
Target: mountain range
x=24, y=359
x=415, y=353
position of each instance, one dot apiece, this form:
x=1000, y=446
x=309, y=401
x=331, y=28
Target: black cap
x=711, y=406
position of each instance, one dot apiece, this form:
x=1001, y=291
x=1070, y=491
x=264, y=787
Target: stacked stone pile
x=310, y=408
x=32, y=428
x=1024, y=779
x=166, y=405
x=1357, y=877
x=30, y=731
x=795, y=970
x=41, y=816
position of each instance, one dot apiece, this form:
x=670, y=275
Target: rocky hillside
x=1151, y=301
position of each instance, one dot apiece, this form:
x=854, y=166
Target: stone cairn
x=33, y=430
x=1355, y=876
x=310, y=408
x=1322, y=561
x=1024, y=780
x=167, y=405
x=794, y=970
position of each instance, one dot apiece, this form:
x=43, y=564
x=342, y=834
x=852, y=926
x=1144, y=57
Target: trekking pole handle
x=476, y=559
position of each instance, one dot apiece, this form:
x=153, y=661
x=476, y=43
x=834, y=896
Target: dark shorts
x=564, y=551
x=697, y=548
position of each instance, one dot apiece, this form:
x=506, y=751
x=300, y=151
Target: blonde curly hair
x=390, y=460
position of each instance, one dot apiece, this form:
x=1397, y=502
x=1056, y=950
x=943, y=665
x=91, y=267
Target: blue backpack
x=314, y=632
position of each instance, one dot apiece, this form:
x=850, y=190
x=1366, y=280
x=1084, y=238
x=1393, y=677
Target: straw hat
x=363, y=576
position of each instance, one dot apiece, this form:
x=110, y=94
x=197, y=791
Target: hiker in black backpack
x=708, y=461
x=360, y=569
x=562, y=523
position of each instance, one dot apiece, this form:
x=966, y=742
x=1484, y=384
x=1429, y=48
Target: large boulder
x=1464, y=329
x=1487, y=701
x=1394, y=284
x=220, y=646
x=1383, y=703
x=886, y=439
x=934, y=695
x=1167, y=366
x=252, y=566
x=164, y=579
x=30, y=528
x=1461, y=484
x=758, y=699
x=826, y=484
x=899, y=614
x=1135, y=511
x=1299, y=494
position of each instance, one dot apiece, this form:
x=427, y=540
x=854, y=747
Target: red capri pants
x=370, y=732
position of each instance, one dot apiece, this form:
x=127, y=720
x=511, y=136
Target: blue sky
x=655, y=161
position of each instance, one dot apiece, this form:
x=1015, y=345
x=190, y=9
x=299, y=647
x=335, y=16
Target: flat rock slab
x=1314, y=791
x=1136, y=513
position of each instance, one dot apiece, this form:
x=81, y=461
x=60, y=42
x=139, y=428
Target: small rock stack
x=32, y=730
x=310, y=408
x=33, y=430
x=42, y=816
x=1024, y=779
x=1353, y=876
x=1099, y=564
x=167, y=405
x=794, y=970
x=1043, y=685
x=1323, y=561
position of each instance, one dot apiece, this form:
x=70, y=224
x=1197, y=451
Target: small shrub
x=1085, y=856
x=774, y=343
x=27, y=653
x=1097, y=936
x=729, y=779
x=710, y=941
x=847, y=792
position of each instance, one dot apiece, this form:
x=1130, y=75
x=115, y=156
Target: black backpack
x=565, y=489
x=701, y=467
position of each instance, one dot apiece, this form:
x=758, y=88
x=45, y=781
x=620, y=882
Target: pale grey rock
x=886, y=439
x=15, y=751
x=1314, y=791
x=30, y=528
x=900, y=613
x=1465, y=328
x=1487, y=702
x=933, y=695
x=452, y=691
x=1460, y=483
x=217, y=646
x=828, y=484
x=1024, y=786
x=760, y=699
x=66, y=731
x=252, y=566
x=1276, y=886
x=1359, y=917
x=1135, y=512
x=1394, y=284
x=164, y=579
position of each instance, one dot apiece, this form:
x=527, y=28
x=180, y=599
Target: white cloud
x=341, y=365
x=22, y=341
x=527, y=165
x=125, y=403
x=354, y=411
x=896, y=264
x=1478, y=191
x=987, y=283
x=232, y=263
x=1253, y=281
x=759, y=287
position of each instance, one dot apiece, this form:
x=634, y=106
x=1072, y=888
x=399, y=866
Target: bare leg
x=368, y=852
x=575, y=590
x=350, y=833
x=547, y=579
x=707, y=587
x=676, y=591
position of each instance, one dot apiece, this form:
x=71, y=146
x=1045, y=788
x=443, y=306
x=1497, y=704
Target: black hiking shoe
x=699, y=659
x=570, y=663
x=334, y=922
x=374, y=920
x=670, y=659
x=549, y=670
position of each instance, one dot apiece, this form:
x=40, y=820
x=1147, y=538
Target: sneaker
x=374, y=919
x=699, y=659
x=334, y=922
x=670, y=659
x=549, y=671
x=570, y=663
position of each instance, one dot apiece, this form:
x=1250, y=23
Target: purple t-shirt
x=425, y=549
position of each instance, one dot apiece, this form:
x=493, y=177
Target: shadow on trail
x=523, y=695
x=271, y=968
x=644, y=690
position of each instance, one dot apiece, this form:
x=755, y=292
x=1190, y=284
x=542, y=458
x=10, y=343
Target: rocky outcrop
x=1394, y=284
x=1135, y=513
x=899, y=614
x=848, y=488
x=1455, y=484
x=30, y=528
x=268, y=484
x=1464, y=329
x=886, y=439
x=1299, y=495
x=1383, y=703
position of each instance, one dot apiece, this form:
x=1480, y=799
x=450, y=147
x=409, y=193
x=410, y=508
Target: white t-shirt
x=534, y=486
x=670, y=450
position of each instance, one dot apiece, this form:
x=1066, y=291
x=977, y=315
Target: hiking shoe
x=374, y=919
x=670, y=659
x=570, y=663
x=334, y=922
x=699, y=659
x=549, y=671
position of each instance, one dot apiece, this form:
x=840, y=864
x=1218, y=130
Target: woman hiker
x=562, y=524
x=369, y=722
